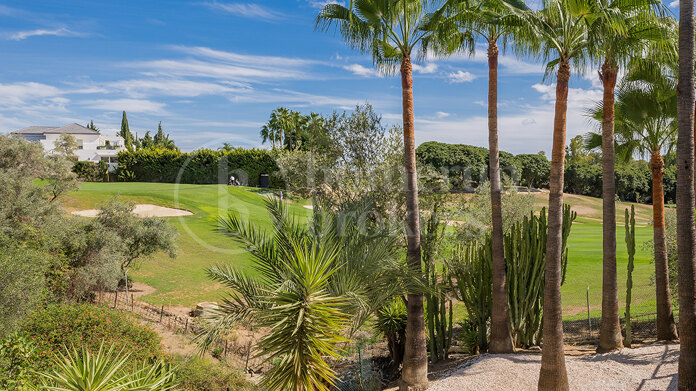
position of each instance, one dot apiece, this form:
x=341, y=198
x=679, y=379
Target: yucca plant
x=312, y=283
x=104, y=371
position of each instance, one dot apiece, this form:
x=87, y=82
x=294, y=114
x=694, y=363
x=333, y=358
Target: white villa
x=92, y=146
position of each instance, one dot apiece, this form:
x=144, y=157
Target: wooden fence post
x=161, y=313
x=186, y=326
x=116, y=298
x=132, y=303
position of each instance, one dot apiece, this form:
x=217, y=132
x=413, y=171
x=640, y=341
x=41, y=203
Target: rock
x=204, y=308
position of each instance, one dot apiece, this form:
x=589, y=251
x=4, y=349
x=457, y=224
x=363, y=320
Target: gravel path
x=646, y=368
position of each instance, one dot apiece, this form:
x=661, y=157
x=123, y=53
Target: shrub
x=16, y=357
x=90, y=171
x=203, y=166
x=535, y=170
x=196, y=373
x=66, y=326
x=466, y=165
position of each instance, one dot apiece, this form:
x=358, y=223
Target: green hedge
x=203, y=166
x=90, y=171
x=467, y=166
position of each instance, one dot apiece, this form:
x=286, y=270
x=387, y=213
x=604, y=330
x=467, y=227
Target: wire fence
x=236, y=349
x=582, y=312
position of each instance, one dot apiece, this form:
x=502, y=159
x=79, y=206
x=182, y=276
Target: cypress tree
x=126, y=133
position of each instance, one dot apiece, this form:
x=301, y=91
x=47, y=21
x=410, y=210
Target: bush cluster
x=90, y=171
x=203, y=166
x=467, y=167
x=65, y=326
x=196, y=373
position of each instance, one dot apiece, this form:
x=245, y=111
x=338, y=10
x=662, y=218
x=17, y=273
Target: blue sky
x=212, y=71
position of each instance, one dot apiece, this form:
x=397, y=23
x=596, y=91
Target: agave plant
x=104, y=371
x=313, y=283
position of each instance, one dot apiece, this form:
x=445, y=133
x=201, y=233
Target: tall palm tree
x=645, y=124
x=563, y=42
x=268, y=134
x=686, y=232
x=393, y=31
x=493, y=22
x=619, y=34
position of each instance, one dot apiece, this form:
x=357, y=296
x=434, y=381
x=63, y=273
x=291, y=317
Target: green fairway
x=585, y=268
x=183, y=281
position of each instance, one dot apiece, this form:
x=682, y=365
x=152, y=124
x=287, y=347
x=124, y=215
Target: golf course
x=182, y=281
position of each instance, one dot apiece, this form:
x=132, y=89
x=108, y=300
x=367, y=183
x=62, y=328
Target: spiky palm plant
x=312, y=282
x=105, y=371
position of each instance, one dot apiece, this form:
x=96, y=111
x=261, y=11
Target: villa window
x=79, y=144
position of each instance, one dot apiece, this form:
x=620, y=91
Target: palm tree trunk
x=666, y=329
x=414, y=375
x=553, y=375
x=610, y=330
x=501, y=337
x=686, y=232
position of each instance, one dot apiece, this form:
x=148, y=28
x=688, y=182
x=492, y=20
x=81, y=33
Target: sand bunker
x=142, y=210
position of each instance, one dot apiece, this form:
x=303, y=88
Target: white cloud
x=300, y=99
x=425, y=69
x=322, y=3
x=131, y=105
x=222, y=65
x=461, y=77
x=20, y=93
x=250, y=10
x=442, y=114
x=510, y=64
x=139, y=88
x=196, y=68
x=360, y=70
x=244, y=59
x=577, y=97
x=526, y=130
x=674, y=4
x=61, y=32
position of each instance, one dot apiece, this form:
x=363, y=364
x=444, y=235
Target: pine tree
x=90, y=125
x=159, y=137
x=126, y=133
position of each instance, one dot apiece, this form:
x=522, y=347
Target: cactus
x=630, y=224
x=469, y=274
x=437, y=302
x=525, y=257
x=469, y=278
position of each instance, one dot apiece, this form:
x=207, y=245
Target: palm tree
x=493, y=22
x=277, y=127
x=309, y=282
x=686, y=232
x=618, y=34
x=393, y=31
x=563, y=41
x=645, y=124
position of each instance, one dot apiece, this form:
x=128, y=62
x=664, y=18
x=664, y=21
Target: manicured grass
x=585, y=269
x=183, y=281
